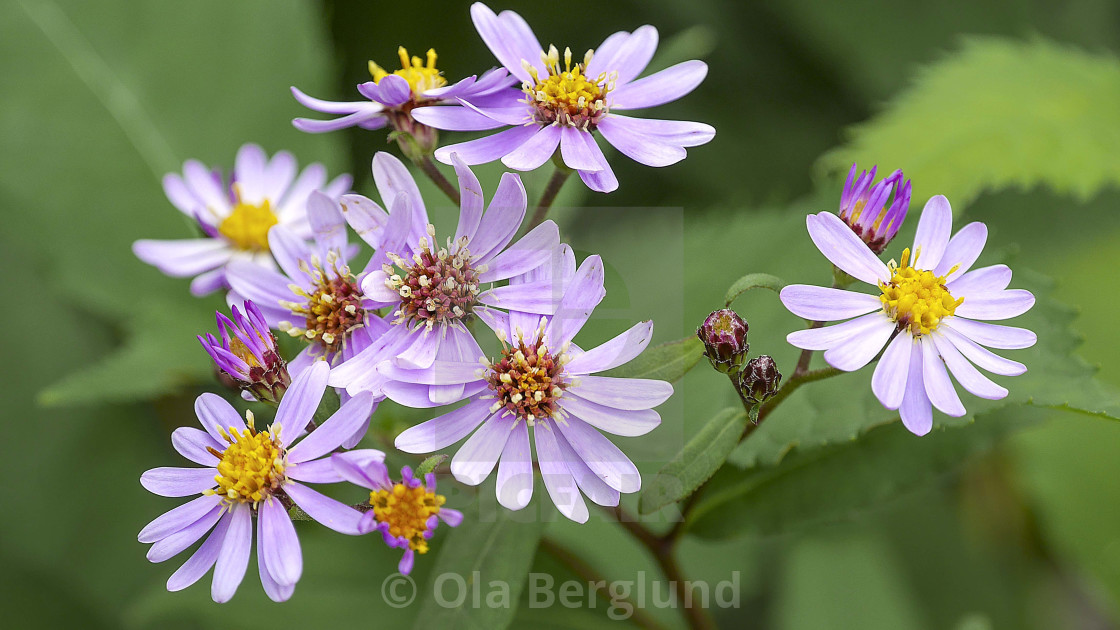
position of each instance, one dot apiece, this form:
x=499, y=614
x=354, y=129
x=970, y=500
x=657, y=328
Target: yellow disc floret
x=916, y=299
x=567, y=96
x=420, y=77
x=251, y=467
x=248, y=225
x=406, y=511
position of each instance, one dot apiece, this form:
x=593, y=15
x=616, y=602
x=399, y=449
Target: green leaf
x=487, y=549
x=665, y=362
x=753, y=281
x=997, y=114
x=824, y=484
x=696, y=462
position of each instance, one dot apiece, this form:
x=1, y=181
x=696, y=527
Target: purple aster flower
x=406, y=513
x=864, y=207
x=544, y=382
x=408, y=101
x=562, y=104
x=247, y=353
x=432, y=291
x=247, y=473
x=235, y=216
x=927, y=308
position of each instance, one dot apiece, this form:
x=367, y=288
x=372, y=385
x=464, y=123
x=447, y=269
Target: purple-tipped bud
x=246, y=353
x=759, y=379
x=875, y=212
x=724, y=334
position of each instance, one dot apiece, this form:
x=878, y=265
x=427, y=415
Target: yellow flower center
x=247, y=226
x=916, y=299
x=242, y=352
x=567, y=96
x=407, y=510
x=251, y=467
x=420, y=77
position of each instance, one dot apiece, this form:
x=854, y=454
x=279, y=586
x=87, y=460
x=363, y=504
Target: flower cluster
x=402, y=311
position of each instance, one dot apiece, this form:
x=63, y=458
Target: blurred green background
x=1012, y=109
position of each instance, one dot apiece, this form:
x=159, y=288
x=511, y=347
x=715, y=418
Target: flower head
x=870, y=210
x=759, y=379
x=405, y=512
x=566, y=99
x=236, y=215
x=927, y=306
x=724, y=335
x=315, y=296
x=247, y=353
x=543, y=383
x=246, y=472
x=432, y=290
x=408, y=100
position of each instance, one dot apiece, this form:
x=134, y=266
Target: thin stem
x=586, y=572
x=662, y=548
x=551, y=190
x=429, y=167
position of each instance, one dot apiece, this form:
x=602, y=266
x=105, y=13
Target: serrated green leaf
x=665, y=362
x=496, y=546
x=997, y=114
x=696, y=462
x=826, y=483
x=753, y=281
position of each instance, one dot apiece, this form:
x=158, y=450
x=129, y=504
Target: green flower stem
x=663, y=550
x=551, y=190
x=587, y=573
x=429, y=168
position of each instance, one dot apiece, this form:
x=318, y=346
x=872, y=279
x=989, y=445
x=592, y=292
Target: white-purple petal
x=983, y=357
x=843, y=248
x=630, y=394
x=502, y=219
x=963, y=249
x=279, y=542
x=827, y=304
x=301, y=400
x=454, y=118
x=330, y=435
x=324, y=510
x=938, y=386
x=478, y=455
x=443, y=431
x=535, y=151
x=627, y=423
x=558, y=480
x=642, y=148
x=966, y=374
x=583, y=294
x=182, y=258
x=661, y=87
x=1001, y=305
x=916, y=410
x=588, y=481
x=574, y=150
x=983, y=280
x=233, y=558
x=176, y=519
x=489, y=148
x=889, y=379
x=192, y=444
x=365, y=468
x=932, y=237
x=992, y=335
x=200, y=562
x=170, y=481
x=855, y=352
x=618, y=351
x=514, y=485
x=531, y=251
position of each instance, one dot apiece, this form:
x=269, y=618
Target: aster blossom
x=865, y=208
x=406, y=512
x=563, y=104
x=235, y=215
x=544, y=382
x=927, y=314
x=431, y=291
x=407, y=100
x=246, y=352
x=245, y=473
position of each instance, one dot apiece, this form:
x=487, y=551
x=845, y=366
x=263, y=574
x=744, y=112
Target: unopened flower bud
x=759, y=379
x=246, y=354
x=724, y=334
x=865, y=208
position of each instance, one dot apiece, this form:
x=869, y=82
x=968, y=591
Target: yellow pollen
x=242, y=351
x=407, y=510
x=420, y=77
x=251, y=467
x=916, y=299
x=247, y=226
x=567, y=95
